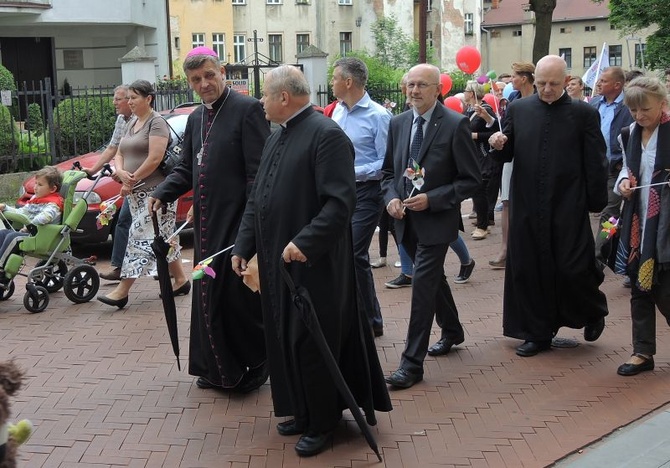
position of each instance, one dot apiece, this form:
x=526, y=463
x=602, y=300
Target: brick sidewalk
x=103, y=389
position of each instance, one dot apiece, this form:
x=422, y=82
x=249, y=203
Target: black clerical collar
x=299, y=116
x=219, y=102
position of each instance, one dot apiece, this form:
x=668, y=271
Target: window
x=429, y=39
x=302, y=2
x=239, y=2
x=198, y=39
x=239, y=47
x=429, y=7
x=589, y=56
x=345, y=43
x=615, y=55
x=345, y=2
x=516, y=33
x=589, y=28
x=468, y=25
x=567, y=55
x=566, y=30
x=219, y=45
x=640, y=49
x=275, y=48
x=273, y=2
x=301, y=42
x=177, y=43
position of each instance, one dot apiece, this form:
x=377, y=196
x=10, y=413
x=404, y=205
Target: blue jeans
x=123, y=223
x=458, y=246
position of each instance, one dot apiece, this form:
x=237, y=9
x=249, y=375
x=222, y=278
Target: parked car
x=89, y=232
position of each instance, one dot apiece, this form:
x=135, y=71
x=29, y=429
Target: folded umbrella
x=303, y=303
x=161, y=249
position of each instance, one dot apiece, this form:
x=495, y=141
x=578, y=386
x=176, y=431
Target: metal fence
x=41, y=127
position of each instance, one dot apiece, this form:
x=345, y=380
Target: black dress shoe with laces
x=593, y=330
x=647, y=364
x=531, y=348
x=443, y=346
x=290, y=427
x=403, y=379
x=312, y=444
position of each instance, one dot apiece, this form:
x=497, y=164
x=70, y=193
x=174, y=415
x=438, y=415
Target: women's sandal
x=627, y=369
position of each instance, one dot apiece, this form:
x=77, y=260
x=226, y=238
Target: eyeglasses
x=420, y=85
x=120, y=99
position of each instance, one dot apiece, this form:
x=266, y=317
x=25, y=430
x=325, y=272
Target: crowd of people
x=301, y=204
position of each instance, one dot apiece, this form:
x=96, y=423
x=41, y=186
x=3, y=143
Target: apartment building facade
x=580, y=29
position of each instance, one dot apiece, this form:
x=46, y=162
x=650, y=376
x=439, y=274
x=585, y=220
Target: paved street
x=103, y=389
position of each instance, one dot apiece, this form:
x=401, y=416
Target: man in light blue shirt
x=366, y=124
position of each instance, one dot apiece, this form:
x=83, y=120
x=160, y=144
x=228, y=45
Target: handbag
x=173, y=153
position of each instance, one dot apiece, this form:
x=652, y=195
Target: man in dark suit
x=427, y=219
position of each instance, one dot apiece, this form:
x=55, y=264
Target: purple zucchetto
x=202, y=50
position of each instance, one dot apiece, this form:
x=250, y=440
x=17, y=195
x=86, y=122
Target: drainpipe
x=169, y=38
x=488, y=46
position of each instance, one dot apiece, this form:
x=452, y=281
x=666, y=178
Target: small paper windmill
x=415, y=173
x=202, y=268
x=107, y=212
x=610, y=228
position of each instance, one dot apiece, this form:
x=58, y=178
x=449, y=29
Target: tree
x=543, y=9
x=392, y=46
x=632, y=15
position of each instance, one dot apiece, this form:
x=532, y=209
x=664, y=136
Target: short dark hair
x=52, y=175
x=143, y=88
x=354, y=68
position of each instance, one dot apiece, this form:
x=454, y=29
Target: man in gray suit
x=437, y=141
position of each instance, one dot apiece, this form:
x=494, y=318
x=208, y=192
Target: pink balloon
x=482, y=79
x=468, y=59
x=454, y=104
x=446, y=83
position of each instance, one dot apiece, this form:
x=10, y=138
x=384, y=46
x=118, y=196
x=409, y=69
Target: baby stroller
x=50, y=243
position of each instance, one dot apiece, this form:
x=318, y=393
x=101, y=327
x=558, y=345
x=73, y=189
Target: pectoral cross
x=199, y=157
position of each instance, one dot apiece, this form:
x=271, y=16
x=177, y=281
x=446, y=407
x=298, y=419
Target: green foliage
x=83, y=124
x=414, y=54
x=6, y=79
x=459, y=80
x=633, y=15
x=35, y=121
x=392, y=45
x=33, y=151
x=7, y=130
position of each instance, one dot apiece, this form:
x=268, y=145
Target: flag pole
x=600, y=59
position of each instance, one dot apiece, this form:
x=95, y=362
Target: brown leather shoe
x=112, y=275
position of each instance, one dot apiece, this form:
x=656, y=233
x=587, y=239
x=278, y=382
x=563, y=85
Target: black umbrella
x=161, y=248
x=303, y=303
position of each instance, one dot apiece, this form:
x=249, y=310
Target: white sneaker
x=479, y=234
x=379, y=263
x=397, y=264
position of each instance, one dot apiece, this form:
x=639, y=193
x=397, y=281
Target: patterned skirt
x=140, y=259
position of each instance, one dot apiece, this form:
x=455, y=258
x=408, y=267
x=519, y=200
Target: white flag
x=592, y=74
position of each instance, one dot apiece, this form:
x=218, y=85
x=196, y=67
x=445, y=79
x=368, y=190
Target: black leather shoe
x=253, y=379
x=290, y=427
x=531, y=348
x=182, y=290
x=403, y=379
x=593, y=330
x=442, y=347
x=120, y=303
x=634, y=369
x=310, y=445
x=465, y=272
x=205, y=384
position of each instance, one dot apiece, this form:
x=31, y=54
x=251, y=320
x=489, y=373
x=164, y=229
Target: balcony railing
x=25, y=4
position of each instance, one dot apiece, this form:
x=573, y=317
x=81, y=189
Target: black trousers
x=431, y=297
x=643, y=312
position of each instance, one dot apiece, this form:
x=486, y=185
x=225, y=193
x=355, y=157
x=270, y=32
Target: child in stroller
x=45, y=207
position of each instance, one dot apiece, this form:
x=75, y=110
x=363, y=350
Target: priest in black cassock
x=560, y=175
x=300, y=211
x=222, y=147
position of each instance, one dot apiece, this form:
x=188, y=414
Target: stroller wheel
x=36, y=298
x=54, y=280
x=81, y=284
x=6, y=290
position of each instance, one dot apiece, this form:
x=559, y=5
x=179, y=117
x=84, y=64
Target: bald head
x=551, y=77
x=423, y=86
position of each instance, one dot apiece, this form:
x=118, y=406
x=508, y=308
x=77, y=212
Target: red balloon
x=468, y=59
x=454, y=104
x=491, y=100
x=446, y=83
